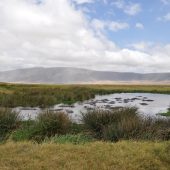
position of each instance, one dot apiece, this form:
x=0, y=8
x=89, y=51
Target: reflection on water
x=148, y=104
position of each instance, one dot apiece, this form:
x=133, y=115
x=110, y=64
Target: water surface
x=149, y=104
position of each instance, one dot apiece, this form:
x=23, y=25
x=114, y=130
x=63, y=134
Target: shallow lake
x=149, y=104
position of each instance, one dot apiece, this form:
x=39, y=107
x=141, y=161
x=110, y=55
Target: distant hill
x=65, y=75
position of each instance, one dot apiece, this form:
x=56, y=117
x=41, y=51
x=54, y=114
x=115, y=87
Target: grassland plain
x=13, y=95
x=124, y=155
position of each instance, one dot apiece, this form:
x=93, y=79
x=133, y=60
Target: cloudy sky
x=117, y=35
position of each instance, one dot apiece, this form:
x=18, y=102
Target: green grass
x=28, y=132
x=165, y=114
x=124, y=155
x=9, y=121
x=47, y=124
x=69, y=138
x=24, y=132
x=115, y=125
x=13, y=95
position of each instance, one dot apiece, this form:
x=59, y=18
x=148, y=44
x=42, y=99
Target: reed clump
x=9, y=121
x=125, y=123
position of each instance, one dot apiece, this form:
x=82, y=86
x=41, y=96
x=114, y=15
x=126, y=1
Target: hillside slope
x=77, y=75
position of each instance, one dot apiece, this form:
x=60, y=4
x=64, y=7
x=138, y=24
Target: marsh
x=149, y=104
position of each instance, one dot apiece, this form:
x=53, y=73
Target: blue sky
x=150, y=15
x=115, y=35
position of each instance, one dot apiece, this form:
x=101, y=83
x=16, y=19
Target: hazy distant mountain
x=76, y=75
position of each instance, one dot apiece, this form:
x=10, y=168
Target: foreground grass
x=13, y=95
x=125, y=155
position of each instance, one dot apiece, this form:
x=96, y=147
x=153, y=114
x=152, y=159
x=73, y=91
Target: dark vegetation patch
x=9, y=121
x=114, y=125
x=166, y=113
x=125, y=123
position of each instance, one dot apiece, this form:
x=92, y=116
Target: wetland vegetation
x=166, y=113
x=13, y=95
x=106, y=125
x=109, y=136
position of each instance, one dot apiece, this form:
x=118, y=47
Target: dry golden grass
x=132, y=87
x=125, y=155
x=10, y=88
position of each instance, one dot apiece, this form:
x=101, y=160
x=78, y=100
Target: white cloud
x=83, y=1
x=142, y=46
x=139, y=25
x=165, y=2
x=54, y=33
x=132, y=9
x=109, y=25
x=164, y=18
x=167, y=17
x=114, y=26
x=128, y=8
x=105, y=1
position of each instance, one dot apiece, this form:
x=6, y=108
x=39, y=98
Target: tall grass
x=9, y=121
x=49, y=124
x=109, y=125
x=44, y=96
x=46, y=125
x=13, y=95
x=125, y=123
x=156, y=129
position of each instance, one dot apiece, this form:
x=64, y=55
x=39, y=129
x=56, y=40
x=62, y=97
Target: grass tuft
x=9, y=121
x=165, y=114
x=73, y=139
x=125, y=123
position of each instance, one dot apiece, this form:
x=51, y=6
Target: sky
x=114, y=35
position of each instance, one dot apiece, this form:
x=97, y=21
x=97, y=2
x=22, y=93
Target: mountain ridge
x=67, y=75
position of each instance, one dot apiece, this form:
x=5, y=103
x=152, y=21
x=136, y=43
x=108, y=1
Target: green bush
x=25, y=132
x=49, y=124
x=98, y=120
x=125, y=123
x=77, y=128
x=9, y=121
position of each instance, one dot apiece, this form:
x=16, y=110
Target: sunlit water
x=148, y=104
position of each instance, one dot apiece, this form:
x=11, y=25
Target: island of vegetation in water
x=166, y=113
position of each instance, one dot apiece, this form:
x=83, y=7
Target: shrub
x=155, y=129
x=98, y=120
x=9, y=121
x=125, y=126
x=125, y=123
x=25, y=132
x=49, y=124
x=77, y=128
